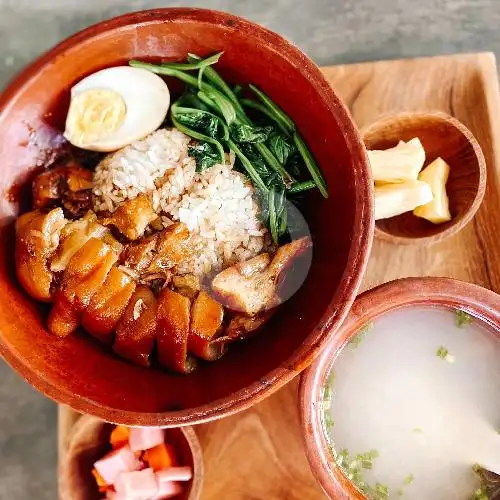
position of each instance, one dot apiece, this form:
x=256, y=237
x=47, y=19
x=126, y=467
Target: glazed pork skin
x=84, y=275
x=37, y=237
x=173, y=331
x=250, y=287
x=136, y=330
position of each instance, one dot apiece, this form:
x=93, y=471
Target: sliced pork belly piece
x=138, y=256
x=85, y=274
x=173, y=331
x=108, y=305
x=251, y=286
x=64, y=318
x=136, y=331
x=78, y=178
x=206, y=322
x=37, y=237
x=51, y=186
x=75, y=234
x=187, y=284
x=172, y=248
x=48, y=187
x=133, y=217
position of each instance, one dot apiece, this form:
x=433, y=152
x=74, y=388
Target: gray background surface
x=330, y=31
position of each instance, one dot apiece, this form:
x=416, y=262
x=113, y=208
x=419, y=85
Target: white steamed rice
x=217, y=205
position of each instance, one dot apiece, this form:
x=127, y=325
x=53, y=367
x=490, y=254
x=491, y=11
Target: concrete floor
x=330, y=31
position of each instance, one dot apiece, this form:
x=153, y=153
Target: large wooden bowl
x=89, y=441
x=441, y=136
x=406, y=292
x=86, y=376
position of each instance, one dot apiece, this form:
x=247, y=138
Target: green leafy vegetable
x=276, y=111
x=223, y=104
x=273, y=219
x=248, y=103
x=205, y=155
x=272, y=194
x=196, y=119
x=283, y=221
x=462, y=318
x=273, y=162
x=214, y=78
x=191, y=66
x=248, y=166
x=302, y=186
x=275, y=204
x=204, y=126
x=281, y=117
x=207, y=102
x=214, y=114
x=280, y=147
x=167, y=71
x=191, y=101
x=201, y=138
x=241, y=132
x=311, y=164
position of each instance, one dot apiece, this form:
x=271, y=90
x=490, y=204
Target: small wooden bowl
x=89, y=441
x=445, y=292
x=442, y=136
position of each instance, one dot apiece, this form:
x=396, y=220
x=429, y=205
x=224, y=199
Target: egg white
x=146, y=98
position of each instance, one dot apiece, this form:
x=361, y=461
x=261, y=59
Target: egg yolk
x=93, y=114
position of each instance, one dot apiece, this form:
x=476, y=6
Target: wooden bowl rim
x=400, y=293
x=361, y=241
x=467, y=216
x=187, y=431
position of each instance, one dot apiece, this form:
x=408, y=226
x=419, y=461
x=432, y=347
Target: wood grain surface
x=258, y=454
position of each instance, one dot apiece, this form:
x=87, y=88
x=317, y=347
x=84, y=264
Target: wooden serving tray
x=258, y=454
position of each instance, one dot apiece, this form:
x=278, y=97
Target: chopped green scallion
x=408, y=479
x=462, y=318
x=356, y=340
x=442, y=352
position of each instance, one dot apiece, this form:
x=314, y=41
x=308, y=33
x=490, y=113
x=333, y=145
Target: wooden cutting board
x=258, y=454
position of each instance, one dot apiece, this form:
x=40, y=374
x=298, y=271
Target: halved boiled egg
x=115, y=107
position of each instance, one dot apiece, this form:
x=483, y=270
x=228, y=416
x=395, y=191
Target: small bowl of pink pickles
x=114, y=462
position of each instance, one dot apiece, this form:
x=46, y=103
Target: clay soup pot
x=407, y=292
